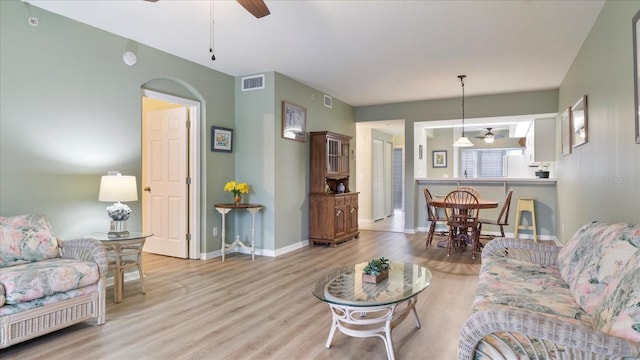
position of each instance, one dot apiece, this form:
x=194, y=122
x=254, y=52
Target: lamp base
x=118, y=229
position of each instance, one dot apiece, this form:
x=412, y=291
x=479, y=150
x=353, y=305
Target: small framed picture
x=440, y=158
x=294, y=122
x=221, y=139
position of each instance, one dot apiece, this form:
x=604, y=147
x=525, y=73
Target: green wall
x=600, y=180
x=278, y=168
x=71, y=111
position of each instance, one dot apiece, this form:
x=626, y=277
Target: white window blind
x=481, y=163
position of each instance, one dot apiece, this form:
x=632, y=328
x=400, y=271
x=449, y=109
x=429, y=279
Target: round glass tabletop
x=344, y=286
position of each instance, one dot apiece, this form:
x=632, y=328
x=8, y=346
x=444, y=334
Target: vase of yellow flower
x=237, y=189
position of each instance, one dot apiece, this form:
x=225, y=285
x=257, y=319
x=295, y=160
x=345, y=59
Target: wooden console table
x=224, y=209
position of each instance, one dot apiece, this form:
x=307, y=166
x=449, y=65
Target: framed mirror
x=636, y=59
x=579, y=118
x=566, y=132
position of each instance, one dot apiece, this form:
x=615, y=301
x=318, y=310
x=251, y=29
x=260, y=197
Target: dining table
x=439, y=202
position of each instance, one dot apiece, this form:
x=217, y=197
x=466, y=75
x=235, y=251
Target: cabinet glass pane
x=333, y=147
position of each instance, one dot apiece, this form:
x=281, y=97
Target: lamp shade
x=118, y=188
x=463, y=141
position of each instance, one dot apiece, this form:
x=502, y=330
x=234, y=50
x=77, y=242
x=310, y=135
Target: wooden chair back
x=462, y=209
x=432, y=214
x=503, y=217
x=472, y=190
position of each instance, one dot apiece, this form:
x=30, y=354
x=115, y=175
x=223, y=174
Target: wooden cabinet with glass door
x=333, y=208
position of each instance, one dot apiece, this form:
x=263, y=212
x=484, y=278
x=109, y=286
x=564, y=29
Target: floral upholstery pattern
x=52, y=299
x=31, y=281
x=529, y=286
x=26, y=238
x=601, y=263
x=594, y=258
x=619, y=313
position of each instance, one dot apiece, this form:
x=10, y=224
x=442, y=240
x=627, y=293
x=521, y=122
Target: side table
x=124, y=249
x=224, y=209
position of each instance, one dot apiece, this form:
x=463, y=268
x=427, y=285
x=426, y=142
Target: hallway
x=393, y=223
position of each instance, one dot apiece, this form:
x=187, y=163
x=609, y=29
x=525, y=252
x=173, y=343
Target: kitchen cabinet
x=540, y=141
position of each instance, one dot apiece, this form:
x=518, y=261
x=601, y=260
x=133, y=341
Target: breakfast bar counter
x=543, y=190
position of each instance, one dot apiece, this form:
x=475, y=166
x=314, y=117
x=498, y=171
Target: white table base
x=370, y=321
x=224, y=211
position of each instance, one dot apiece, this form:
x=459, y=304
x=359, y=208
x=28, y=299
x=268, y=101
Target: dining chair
x=503, y=217
x=432, y=216
x=462, y=209
x=121, y=257
x=472, y=190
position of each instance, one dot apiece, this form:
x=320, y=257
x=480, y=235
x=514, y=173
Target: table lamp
x=116, y=187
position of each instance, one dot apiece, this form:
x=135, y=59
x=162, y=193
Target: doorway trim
x=194, y=171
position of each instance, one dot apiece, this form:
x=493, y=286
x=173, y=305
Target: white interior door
x=388, y=179
x=378, y=180
x=165, y=188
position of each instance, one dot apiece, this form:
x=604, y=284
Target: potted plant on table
x=543, y=170
x=376, y=270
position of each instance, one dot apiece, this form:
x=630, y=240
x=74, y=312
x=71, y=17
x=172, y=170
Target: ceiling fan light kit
x=463, y=141
x=489, y=137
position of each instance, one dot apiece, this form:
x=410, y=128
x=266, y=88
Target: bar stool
x=526, y=204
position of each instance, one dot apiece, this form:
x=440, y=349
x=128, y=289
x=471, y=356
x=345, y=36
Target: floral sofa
x=46, y=284
x=537, y=301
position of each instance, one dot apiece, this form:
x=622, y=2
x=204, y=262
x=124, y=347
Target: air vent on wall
x=254, y=82
x=328, y=101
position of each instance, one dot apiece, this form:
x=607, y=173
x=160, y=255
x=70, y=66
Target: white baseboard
x=259, y=252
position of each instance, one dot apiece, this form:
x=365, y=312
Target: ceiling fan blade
x=257, y=8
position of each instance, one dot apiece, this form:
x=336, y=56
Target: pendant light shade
x=463, y=141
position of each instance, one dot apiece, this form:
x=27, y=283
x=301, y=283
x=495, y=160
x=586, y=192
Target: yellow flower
x=230, y=186
x=237, y=188
x=243, y=188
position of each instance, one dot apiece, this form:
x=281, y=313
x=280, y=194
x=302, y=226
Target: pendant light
x=463, y=141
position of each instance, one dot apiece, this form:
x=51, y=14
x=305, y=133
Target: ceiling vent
x=254, y=82
x=328, y=101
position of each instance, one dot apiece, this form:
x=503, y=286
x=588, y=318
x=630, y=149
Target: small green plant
x=376, y=267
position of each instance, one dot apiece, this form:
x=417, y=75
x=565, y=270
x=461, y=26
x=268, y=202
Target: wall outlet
x=215, y=231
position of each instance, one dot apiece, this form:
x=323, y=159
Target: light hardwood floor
x=264, y=309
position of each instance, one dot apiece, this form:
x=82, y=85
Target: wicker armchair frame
x=32, y=323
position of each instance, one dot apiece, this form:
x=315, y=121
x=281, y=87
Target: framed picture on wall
x=439, y=158
x=636, y=66
x=294, y=122
x=579, y=117
x=221, y=139
x=565, y=123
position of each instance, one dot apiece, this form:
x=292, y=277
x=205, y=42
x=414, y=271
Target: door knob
x=147, y=188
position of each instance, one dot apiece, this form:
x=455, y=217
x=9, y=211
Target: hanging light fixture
x=213, y=56
x=463, y=141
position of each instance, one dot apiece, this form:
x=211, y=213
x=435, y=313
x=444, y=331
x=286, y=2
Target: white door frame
x=194, y=108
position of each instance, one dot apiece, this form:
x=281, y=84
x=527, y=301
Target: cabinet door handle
x=339, y=212
x=352, y=210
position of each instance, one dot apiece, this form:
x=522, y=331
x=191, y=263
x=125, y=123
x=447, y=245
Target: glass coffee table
x=363, y=309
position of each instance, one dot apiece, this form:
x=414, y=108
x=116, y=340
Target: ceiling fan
x=489, y=137
x=257, y=8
